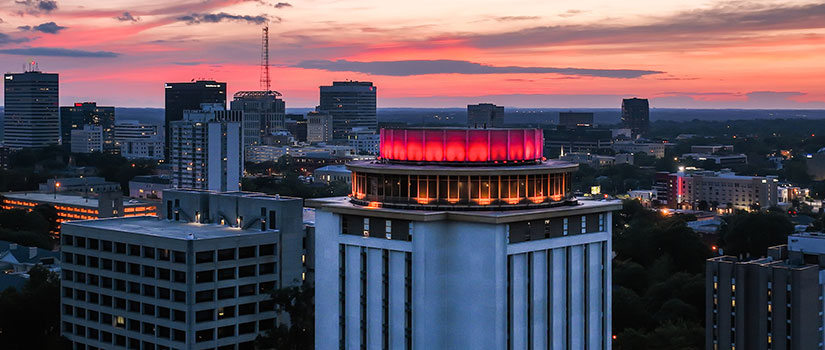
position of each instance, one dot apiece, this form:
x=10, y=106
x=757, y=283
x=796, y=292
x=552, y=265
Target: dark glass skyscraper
x=636, y=115
x=189, y=96
x=351, y=104
x=485, y=115
x=88, y=113
x=263, y=112
x=31, y=110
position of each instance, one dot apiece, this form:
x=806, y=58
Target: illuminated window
x=366, y=227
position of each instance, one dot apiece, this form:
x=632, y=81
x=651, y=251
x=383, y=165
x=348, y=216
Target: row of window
x=158, y=273
x=147, y=252
x=550, y=228
x=162, y=332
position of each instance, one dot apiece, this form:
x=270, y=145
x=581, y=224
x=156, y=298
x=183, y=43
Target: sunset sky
x=432, y=53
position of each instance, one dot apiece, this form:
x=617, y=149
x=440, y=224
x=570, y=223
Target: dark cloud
x=197, y=18
x=57, y=51
x=37, y=6
x=570, y=13
x=8, y=39
x=421, y=67
x=187, y=63
x=127, y=17
x=281, y=5
x=729, y=18
x=516, y=18
x=48, y=28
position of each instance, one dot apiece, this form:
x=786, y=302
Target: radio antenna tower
x=265, y=82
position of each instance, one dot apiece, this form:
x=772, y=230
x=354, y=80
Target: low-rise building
x=85, y=184
x=716, y=190
x=646, y=197
x=656, y=150
x=719, y=159
x=267, y=153
x=711, y=149
x=594, y=160
x=88, y=139
x=74, y=207
x=149, y=186
x=582, y=139
x=364, y=141
x=787, y=193
x=332, y=173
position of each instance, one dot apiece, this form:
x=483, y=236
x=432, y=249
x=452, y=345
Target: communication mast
x=265, y=82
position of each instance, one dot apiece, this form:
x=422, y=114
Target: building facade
x=319, y=127
x=88, y=113
x=575, y=119
x=485, y=115
x=721, y=189
x=149, y=186
x=31, y=114
x=87, y=184
x=364, y=141
x=652, y=149
x=351, y=104
x=207, y=151
x=441, y=245
x=87, y=139
x=636, y=115
x=773, y=302
x=75, y=207
x=139, y=141
x=263, y=113
x=189, y=96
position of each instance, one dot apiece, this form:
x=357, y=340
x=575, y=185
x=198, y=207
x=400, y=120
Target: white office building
x=206, y=153
x=88, y=139
x=139, y=141
x=446, y=247
x=182, y=281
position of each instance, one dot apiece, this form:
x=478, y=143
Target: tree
x=30, y=317
x=298, y=304
x=750, y=234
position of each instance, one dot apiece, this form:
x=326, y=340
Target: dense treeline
x=29, y=228
x=30, y=317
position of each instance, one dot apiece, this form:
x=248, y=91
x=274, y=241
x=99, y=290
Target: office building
x=652, y=149
x=584, y=140
x=774, y=302
x=5, y=155
x=181, y=281
x=636, y=115
x=139, y=141
x=364, y=141
x=319, y=127
x=351, y=104
x=31, y=115
x=88, y=113
x=718, y=159
x=485, y=115
x=207, y=150
x=266, y=153
x=190, y=96
x=441, y=245
x=717, y=189
x=87, y=185
x=332, y=173
x=711, y=149
x=575, y=119
x=296, y=124
x=75, y=207
x=149, y=186
x=87, y=139
x=263, y=113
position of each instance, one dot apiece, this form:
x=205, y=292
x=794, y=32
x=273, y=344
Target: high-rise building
x=364, y=141
x=88, y=113
x=485, y=115
x=351, y=104
x=190, y=96
x=575, y=119
x=31, y=110
x=319, y=127
x=296, y=124
x=207, y=150
x=636, y=115
x=263, y=113
x=87, y=139
x=197, y=277
x=139, y=141
x=774, y=302
x=443, y=245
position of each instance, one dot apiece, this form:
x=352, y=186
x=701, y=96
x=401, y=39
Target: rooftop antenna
x=265, y=82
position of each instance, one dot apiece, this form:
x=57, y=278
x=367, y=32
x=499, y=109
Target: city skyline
x=588, y=54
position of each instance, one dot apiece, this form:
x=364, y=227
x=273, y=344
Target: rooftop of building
x=724, y=174
x=345, y=206
x=154, y=179
x=78, y=181
x=244, y=194
x=153, y=226
x=65, y=199
x=334, y=168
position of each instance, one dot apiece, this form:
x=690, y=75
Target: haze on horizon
x=561, y=54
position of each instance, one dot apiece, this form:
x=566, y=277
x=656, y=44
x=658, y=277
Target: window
x=163, y=254
x=246, y=290
x=204, y=316
x=180, y=316
x=204, y=257
x=204, y=296
x=106, y=264
x=179, y=335
x=120, y=303
x=266, y=249
x=149, y=309
x=149, y=252
x=94, y=244
x=246, y=252
x=226, y=274
x=204, y=335
x=148, y=290
x=226, y=331
x=106, y=246
x=120, y=322
x=204, y=276
x=267, y=268
x=246, y=328
x=226, y=293
x=68, y=240
x=246, y=271
x=180, y=276
x=366, y=227
x=180, y=257
x=120, y=248
x=226, y=254
x=226, y=312
x=134, y=306
x=388, y=228
x=134, y=288
x=180, y=296
x=120, y=266
x=164, y=312
x=163, y=293
x=164, y=274
x=247, y=309
x=80, y=242
x=120, y=285
x=266, y=287
x=134, y=250
x=148, y=271
x=134, y=269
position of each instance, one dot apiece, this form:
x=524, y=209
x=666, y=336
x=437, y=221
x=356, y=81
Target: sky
x=432, y=53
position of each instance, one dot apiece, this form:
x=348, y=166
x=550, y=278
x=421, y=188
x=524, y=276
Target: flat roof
x=78, y=201
x=342, y=205
x=152, y=226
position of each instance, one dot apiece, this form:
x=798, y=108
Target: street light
x=56, y=186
